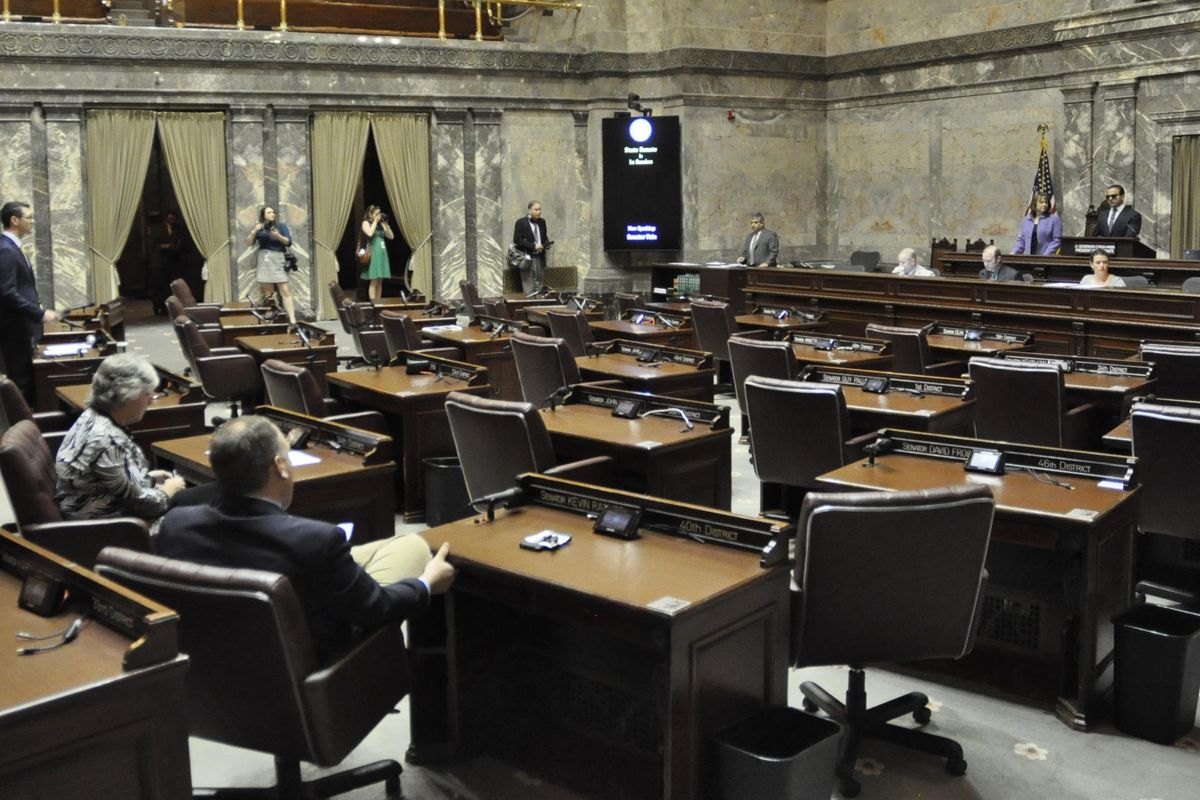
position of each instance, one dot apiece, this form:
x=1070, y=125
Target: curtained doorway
x=370, y=191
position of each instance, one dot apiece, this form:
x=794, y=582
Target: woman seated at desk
x=101, y=470
x=1041, y=231
x=1100, y=276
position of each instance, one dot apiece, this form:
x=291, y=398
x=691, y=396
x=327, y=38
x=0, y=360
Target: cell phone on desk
x=297, y=438
x=647, y=356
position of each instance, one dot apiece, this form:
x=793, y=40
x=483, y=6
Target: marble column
x=579, y=254
x=293, y=169
x=16, y=172
x=449, y=202
x=40, y=175
x=487, y=231
x=1117, y=135
x=246, y=188
x=1075, y=161
x=68, y=231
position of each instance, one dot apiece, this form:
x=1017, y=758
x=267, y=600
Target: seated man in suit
x=993, y=270
x=762, y=246
x=907, y=265
x=1117, y=219
x=341, y=588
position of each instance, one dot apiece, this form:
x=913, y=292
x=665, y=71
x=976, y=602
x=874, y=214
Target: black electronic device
x=825, y=344
x=876, y=385
x=618, y=521
x=990, y=462
x=647, y=356
x=41, y=595
x=297, y=438
x=627, y=409
x=972, y=335
x=643, y=319
x=642, y=182
x=781, y=314
x=415, y=366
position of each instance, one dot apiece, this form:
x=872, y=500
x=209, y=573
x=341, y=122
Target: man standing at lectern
x=1116, y=218
x=530, y=237
x=762, y=246
x=21, y=313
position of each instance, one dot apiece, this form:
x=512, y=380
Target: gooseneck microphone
x=880, y=446
x=509, y=497
x=559, y=395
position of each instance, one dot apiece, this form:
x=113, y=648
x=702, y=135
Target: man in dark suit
x=530, y=237
x=341, y=588
x=21, y=313
x=762, y=246
x=1116, y=218
x=993, y=270
x=166, y=260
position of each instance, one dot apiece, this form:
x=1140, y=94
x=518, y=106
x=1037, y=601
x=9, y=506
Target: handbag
x=514, y=257
x=289, y=261
x=363, y=255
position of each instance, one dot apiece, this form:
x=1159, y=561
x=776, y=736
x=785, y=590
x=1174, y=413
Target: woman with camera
x=273, y=239
x=375, y=228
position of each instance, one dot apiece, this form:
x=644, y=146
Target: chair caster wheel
x=922, y=715
x=849, y=787
x=809, y=706
x=956, y=766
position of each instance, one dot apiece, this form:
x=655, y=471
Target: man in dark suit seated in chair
x=342, y=588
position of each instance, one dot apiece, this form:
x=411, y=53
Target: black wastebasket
x=445, y=491
x=779, y=752
x=1156, y=671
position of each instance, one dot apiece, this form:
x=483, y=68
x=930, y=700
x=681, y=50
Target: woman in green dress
x=375, y=227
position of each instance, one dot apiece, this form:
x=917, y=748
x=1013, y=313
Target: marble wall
x=16, y=173
x=68, y=214
x=449, y=204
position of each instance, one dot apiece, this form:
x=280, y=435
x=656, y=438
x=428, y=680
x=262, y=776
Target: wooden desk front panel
x=547, y=648
x=672, y=380
x=51, y=373
x=495, y=354
x=237, y=326
x=338, y=489
x=934, y=413
x=166, y=417
x=609, y=329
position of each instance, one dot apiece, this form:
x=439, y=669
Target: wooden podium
x=1115, y=246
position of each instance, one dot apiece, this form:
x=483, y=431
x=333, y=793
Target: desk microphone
x=880, y=446
x=509, y=497
x=375, y=361
x=559, y=395
x=673, y=411
x=594, y=349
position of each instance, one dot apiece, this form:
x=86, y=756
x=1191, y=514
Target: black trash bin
x=445, y=491
x=1156, y=672
x=779, y=752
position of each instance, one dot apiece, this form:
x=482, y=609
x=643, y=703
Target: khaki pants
x=393, y=560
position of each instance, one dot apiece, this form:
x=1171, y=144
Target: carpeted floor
x=1015, y=750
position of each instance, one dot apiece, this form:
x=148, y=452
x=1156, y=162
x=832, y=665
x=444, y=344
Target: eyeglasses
x=1112, y=196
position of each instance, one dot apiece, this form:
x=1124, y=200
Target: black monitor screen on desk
x=643, y=202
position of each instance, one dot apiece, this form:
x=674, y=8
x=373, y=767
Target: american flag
x=1043, y=183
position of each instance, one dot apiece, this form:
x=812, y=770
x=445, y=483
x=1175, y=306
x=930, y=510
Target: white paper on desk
x=439, y=328
x=1066, y=285
x=68, y=349
x=298, y=458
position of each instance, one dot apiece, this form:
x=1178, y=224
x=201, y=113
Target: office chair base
x=289, y=785
x=875, y=723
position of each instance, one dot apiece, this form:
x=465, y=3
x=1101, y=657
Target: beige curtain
x=339, y=141
x=194, y=145
x=118, y=154
x=1185, y=195
x=402, y=141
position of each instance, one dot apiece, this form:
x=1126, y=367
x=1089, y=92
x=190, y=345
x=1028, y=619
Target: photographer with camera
x=530, y=237
x=273, y=239
x=375, y=228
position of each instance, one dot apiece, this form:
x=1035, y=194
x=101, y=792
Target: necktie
x=537, y=233
x=1112, y=219
x=753, y=244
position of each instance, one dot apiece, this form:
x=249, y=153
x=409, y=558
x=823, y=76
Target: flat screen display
x=643, y=204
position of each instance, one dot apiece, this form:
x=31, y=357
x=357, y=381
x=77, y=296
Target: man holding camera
x=530, y=237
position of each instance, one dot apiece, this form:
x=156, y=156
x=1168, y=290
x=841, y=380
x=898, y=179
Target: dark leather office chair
x=628, y=300
x=338, y=295
x=14, y=409
x=798, y=431
x=1136, y=281
x=868, y=259
x=573, y=328
x=497, y=307
x=1165, y=441
x=1176, y=369
x=850, y=268
x=715, y=323
x=1016, y=402
x=369, y=339
x=544, y=366
x=225, y=373
x=1192, y=284
x=910, y=351
x=473, y=306
x=864, y=562
x=1191, y=255
x=497, y=440
x=254, y=680
x=758, y=357
x=978, y=246
x=28, y=470
x=293, y=387
x=203, y=313
x=401, y=333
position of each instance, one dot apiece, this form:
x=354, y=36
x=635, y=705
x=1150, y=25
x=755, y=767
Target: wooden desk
x=95, y=718
x=176, y=409
x=655, y=455
x=1060, y=562
x=951, y=341
x=845, y=351
x=609, y=329
x=320, y=356
x=237, y=326
x=537, y=315
x=51, y=373
x=1108, y=382
x=106, y=316
x=691, y=376
x=778, y=328
x=562, y=660
x=723, y=281
x=345, y=486
x=415, y=408
x=1161, y=273
x=911, y=402
x=493, y=352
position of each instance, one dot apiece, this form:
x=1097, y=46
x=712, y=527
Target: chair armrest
x=750, y=333
x=452, y=353
x=1081, y=426
x=537, y=330
x=372, y=421
x=225, y=351
x=1085, y=408
x=852, y=449
x=346, y=698
x=204, y=315
x=598, y=470
x=978, y=617
x=49, y=421
x=82, y=540
x=212, y=337
x=946, y=369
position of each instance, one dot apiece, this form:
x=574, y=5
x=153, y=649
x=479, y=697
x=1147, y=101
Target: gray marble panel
x=294, y=170
x=16, y=174
x=1075, y=165
x=491, y=241
x=449, y=227
x=1115, y=137
x=580, y=254
x=68, y=210
x=247, y=191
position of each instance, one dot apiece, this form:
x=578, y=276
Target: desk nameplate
x=916, y=385
x=672, y=355
x=1096, y=366
x=710, y=414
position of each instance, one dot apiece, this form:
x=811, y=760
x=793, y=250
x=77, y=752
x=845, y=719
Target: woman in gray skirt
x=272, y=238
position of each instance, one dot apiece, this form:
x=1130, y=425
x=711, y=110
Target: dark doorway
x=370, y=191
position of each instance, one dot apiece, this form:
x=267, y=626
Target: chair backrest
x=1165, y=441
x=400, y=332
x=1191, y=255
x=798, y=430
x=865, y=258
x=1136, y=281
x=1027, y=277
x=889, y=576
x=758, y=357
x=470, y=297
x=337, y=294
x=850, y=268
x=174, y=306
x=1016, y=402
x=1191, y=284
x=978, y=245
x=1176, y=368
x=714, y=323
x=293, y=387
x=183, y=293
x=194, y=345
x=497, y=307
x=910, y=348
x=544, y=365
x=497, y=440
x=13, y=408
x=29, y=477
x=628, y=300
x=573, y=328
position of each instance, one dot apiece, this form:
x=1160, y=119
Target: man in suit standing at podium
x=21, y=313
x=762, y=246
x=1116, y=218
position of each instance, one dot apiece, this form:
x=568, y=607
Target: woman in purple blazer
x=1041, y=231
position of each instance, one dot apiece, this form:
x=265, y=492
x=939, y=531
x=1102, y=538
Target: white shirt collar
x=15, y=239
